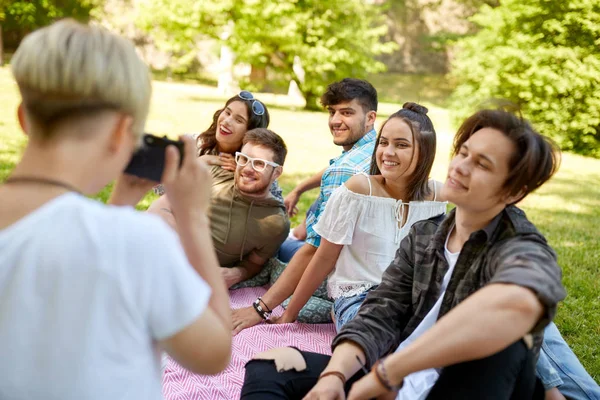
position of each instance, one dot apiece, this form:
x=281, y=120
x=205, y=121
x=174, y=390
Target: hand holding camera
x=186, y=178
x=187, y=183
x=143, y=171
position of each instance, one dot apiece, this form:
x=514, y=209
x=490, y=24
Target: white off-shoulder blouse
x=369, y=228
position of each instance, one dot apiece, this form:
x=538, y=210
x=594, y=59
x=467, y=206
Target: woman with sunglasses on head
x=366, y=218
x=218, y=144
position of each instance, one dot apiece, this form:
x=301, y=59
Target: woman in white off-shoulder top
x=365, y=219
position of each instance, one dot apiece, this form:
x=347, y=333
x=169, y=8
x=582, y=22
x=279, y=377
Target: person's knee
x=284, y=359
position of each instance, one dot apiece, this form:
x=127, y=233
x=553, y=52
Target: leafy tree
x=333, y=39
x=18, y=17
x=542, y=55
x=27, y=15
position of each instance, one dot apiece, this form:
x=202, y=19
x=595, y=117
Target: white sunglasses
x=258, y=164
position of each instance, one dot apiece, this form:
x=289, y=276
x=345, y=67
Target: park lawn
x=566, y=210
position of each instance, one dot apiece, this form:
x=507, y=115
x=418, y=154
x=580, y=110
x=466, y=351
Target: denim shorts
x=346, y=308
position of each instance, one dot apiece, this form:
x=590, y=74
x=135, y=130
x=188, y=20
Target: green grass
x=566, y=210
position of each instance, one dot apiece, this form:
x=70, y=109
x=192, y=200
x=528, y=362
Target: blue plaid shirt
x=349, y=163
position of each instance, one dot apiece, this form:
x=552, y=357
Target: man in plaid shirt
x=352, y=107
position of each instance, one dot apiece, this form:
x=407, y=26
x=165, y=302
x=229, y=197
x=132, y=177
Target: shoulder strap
x=368, y=180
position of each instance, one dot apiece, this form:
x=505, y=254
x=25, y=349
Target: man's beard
x=355, y=134
x=258, y=187
x=254, y=190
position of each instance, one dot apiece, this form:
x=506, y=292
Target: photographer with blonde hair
x=86, y=297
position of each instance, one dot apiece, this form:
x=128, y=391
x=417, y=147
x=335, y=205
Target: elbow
x=524, y=303
x=221, y=361
x=217, y=361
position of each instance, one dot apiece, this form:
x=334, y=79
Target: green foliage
x=25, y=16
x=542, y=55
x=333, y=39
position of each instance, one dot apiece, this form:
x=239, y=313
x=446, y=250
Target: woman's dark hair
x=424, y=139
x=207, y=141
x=535, y=160
x=349, y=89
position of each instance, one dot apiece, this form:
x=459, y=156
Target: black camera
x=149, y=160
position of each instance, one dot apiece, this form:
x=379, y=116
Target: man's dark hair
x=269, y=139
x=349, y=89
x=535, y=160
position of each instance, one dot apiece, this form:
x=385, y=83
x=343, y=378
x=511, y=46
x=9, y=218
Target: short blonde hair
x=69, y=69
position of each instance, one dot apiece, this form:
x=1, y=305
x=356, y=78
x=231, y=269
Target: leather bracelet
x=381, y=374
x=335, y=373
x=258, y=308
x=265, y=304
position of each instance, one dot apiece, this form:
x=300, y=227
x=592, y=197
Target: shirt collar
x=442, y=232
x=367, y=138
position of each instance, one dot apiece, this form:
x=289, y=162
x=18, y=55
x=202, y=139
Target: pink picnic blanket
x=179, y=384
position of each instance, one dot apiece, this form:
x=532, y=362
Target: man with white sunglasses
x=247, y=223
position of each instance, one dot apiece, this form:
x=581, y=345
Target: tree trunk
x=311, y=101
x=258, y=76
x=1, y=48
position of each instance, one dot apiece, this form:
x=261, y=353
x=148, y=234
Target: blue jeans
x=559, y=367
x=288, y=249
x=346, y=308
x=291, y=246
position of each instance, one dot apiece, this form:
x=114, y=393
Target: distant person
x=247, y=222
x=90, y=294
x=352, y=107
x=461, y=309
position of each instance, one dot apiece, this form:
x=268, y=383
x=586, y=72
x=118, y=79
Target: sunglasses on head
x=257, y=106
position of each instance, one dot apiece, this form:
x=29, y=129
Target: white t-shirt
x=417, y=385
x=86, y=290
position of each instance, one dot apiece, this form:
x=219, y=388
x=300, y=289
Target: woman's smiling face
x=232, y=125
x=396, y=154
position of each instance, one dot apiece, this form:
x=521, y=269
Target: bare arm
x=195, y=236
x=347, y=359
x=488, y=321
x=188, y=346
x=292, y=198
x=285, y=285
x=251, y=265
x=189, y=191
x=322, y=263
x=162, y=208
x=282, y=288
x=310, y=183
